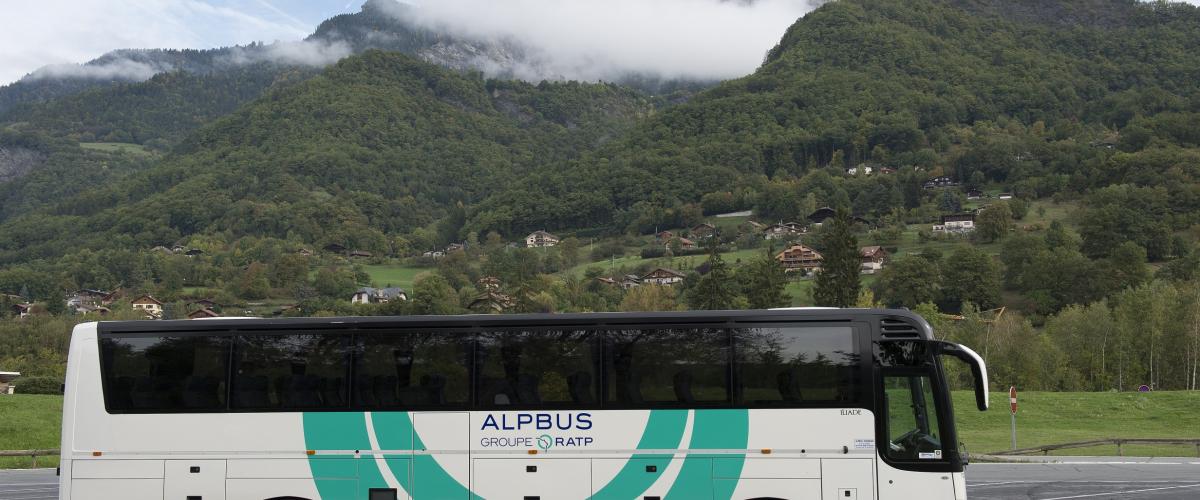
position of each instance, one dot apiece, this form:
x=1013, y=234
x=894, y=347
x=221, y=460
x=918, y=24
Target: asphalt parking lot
x=1087, y=478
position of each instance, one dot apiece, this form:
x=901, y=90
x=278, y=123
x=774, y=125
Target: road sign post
x=1012, y=408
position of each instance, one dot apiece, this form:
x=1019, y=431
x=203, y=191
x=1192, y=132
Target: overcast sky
x=679, y=37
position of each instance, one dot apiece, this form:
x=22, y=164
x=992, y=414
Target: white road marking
x=1122, y=493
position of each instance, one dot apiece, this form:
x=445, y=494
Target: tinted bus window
x=412, y=370
x=165, y=373
x=555, y=368
x=675, y=367
x=294, y=371
x=794, y=365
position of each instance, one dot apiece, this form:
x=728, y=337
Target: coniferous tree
x=714, y=291
x=837, y=283
x=765, y=288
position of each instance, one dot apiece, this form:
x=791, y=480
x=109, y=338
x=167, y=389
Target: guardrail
x=34, y=454
x=1120, y=442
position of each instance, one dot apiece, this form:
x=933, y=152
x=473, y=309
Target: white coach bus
x=792, y=404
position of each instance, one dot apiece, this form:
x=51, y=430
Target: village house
x=203, y=313
x=704, y=230
x=751, y=227
x=454, y=247
x=540, y=239
x=974, y=194
x=940, y=181
x=784, y=230
x=369, y=295
x=873, y=258
x=335, y=248
x=112, y=297
x=434, y=254
x=22, y=310
x=1006, y=196
x=491, y=302
x=664, y=236
x=631, y=281
x=662, y=276
x=684, y=244
x=151, y=305
x=84, y=300
x=800, y=258
x=957, y=223
x=604, y=280
x=194, y=252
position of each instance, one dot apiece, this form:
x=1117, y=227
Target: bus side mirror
x=978, y=369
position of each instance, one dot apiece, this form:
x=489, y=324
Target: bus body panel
x=818, y=452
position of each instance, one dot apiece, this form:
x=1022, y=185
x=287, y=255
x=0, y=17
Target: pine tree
x=714, y=291
x=837, y=283
x=765, y=288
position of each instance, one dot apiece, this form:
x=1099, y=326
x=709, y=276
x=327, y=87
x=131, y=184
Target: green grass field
x=401, y=276
x=28, y=422
x=1051, y=418
x=117, y=147
x=32, y=421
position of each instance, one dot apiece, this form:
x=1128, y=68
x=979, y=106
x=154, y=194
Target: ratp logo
x=545, y=441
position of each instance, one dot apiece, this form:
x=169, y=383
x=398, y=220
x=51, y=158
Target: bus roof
x=916, y=326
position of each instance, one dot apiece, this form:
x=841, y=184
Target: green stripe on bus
x=394, y=431
x=339, y=431
x=712, y=430
x=664, y=431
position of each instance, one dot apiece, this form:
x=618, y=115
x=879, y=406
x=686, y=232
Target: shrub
x=38, y=385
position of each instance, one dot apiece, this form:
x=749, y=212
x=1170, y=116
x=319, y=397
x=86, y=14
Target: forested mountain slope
x=382, y=147
x=970, y=88
x=379, y=144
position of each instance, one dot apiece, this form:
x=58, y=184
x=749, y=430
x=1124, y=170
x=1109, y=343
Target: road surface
x=1072, y=478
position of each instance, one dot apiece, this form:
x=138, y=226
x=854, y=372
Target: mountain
x=971, y=88
x=378, y=144
x=386, y=152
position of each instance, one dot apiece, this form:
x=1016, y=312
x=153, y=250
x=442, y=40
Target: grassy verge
x=28, y=422
x=1062, y=417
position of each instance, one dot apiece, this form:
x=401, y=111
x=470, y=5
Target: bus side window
x=411, y=369
x=291, y=371
x=552, y=368
x=788, y=366
x=165, y=374
x=667, y=367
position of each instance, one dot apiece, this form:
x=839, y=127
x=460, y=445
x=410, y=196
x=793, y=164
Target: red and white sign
x=1012, y=398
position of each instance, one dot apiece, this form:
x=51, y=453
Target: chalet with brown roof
x=152, y=306
x=540, y=239
x=491, y=302
x=203, y=313
x=800, y=258
x=664, y=236
x=873, y=258
x=684, y=244
x=360, y=254
x=704, y=230
x=22, y=310
x=662, y=276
